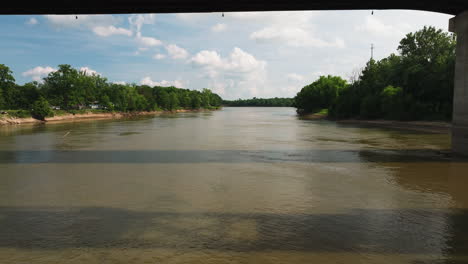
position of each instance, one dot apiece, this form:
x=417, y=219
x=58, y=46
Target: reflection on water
x=241, y=185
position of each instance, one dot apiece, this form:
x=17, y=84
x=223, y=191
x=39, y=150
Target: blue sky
x=240, y=55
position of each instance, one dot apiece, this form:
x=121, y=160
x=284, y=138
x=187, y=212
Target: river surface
x=239, y=185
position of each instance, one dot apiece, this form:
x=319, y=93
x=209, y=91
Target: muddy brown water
x=239, y=185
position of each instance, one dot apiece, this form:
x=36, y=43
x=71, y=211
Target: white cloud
x=177, y=52
x=219, y=27
x=88, y=71
x=111, y=30
x=286, y=18
x=159, y=56
x=32, y=21
x=147, y=81
x=120, y=82
x=101, y=25
x=295, y=77
x=208, y=58
x=137, y=21
x=140, y=50
x=148, y=41
x=293, y=36
x=238, y=61
x=38, y=72
x=238, y=75
x=375, y=26
x=89, y=21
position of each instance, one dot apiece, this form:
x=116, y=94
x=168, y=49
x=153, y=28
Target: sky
x=240, y=55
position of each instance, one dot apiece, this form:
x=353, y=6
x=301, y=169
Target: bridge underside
x=453, y=7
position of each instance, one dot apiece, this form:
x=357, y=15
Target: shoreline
x=437, y=127
x=9, y=120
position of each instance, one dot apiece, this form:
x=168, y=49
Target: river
x=239, y=185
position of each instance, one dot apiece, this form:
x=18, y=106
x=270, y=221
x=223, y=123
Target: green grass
x=60, y=112
x=19, y=113
x=322, y=112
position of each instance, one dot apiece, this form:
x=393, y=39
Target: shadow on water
x=405, y=231
x=223, y=156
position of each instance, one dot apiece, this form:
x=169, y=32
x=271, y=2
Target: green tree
x=7, y=87
x=196, y=101
x=416, y=84
x=2, y=101
x=6, y=76
x=71, y=89
x=173, y=102
x=205, y=98
x=164, y=100
x=41, y=109
x=254, y=101
x=392, y=102
x=319, y=94
x=62, y=88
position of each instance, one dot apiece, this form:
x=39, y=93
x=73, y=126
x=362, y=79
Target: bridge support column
x=459, y=25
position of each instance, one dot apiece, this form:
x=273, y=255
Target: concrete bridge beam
x=459, y=25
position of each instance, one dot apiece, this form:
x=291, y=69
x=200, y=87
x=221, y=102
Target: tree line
x=415, y=84
x=70, y=89
x=260, y=102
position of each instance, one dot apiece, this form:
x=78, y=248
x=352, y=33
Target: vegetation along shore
x=412, y=89
x=70, y=94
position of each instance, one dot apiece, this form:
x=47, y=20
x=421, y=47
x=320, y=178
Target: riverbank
x=438, y=127
x=421, y=126
x=69, y=117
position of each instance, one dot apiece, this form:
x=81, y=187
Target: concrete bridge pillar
x=459, y=25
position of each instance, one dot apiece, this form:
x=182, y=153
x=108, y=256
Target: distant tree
x=2, y=100
x=392, y=102
x=196, y=101
x=71, y=89
x=26, y=95
x=164, y=100
x=264, y=102
x=6, y=76
x=173, y=102
x=62, y=88
x=319, y=94
x=185, y=100
x=41, y=109
x=416, y=84
x=7, y=87
x=205, y=98
x=106, y=102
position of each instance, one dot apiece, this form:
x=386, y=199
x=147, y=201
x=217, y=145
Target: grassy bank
x=320, y=114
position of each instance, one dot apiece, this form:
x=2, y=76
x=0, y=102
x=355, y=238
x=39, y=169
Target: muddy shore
x=422, y=126
x=9, y=120
x=438, y=127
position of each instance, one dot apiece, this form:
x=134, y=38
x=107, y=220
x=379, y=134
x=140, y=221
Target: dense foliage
x=260, y=102
x=416, y=84
x=40, y=109
x=71, y=89
x=319, y=94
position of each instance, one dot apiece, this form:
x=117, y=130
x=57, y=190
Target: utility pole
x=372, y=51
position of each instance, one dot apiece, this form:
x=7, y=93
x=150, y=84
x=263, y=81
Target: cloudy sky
x=240, y=55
